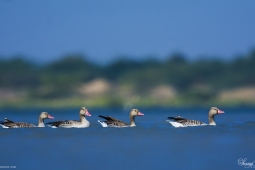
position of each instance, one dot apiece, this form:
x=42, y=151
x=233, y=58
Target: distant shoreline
x=103, y=104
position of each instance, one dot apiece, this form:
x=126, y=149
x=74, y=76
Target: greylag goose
x=112, y=122
x=83, y=123
x=182, y=122
x=11, y=124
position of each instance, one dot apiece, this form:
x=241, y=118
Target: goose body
x=83, y=123
x=179, y=121
x=11, y=124
x=69, y=124
x=113, y=122
x=182, y=122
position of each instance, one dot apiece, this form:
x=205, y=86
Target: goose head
x=215, y=111
x=84, y=112
x=46, y=115
x=135, y=112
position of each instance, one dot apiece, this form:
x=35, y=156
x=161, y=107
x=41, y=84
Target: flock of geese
x=108, y=121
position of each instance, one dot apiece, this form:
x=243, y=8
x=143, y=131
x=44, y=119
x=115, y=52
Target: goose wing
x=113, y=122
x=186, y=122
x=12, y=124
x=63, y=123
x=8, y=120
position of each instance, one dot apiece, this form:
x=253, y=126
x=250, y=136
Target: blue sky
x=105, y=30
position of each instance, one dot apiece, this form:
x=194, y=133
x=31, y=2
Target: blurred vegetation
x=195, y=82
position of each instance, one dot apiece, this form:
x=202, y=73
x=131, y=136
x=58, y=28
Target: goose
x=83, y=123
x=112, y=122
x=182, y=122
x=11, y=124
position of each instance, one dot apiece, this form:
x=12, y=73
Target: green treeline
x=200, y=80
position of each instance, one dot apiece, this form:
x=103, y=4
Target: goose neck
x=132, y=120
x=41, y=122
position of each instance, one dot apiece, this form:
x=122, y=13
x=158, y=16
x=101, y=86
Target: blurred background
x=127, y=53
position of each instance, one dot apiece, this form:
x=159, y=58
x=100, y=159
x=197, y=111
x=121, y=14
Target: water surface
x=153, y=144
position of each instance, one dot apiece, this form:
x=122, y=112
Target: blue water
x=153, y=144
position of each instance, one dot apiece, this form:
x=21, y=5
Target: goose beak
x=220, y=112
x=140, y=114
x=87, y=113
x=50, y=117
